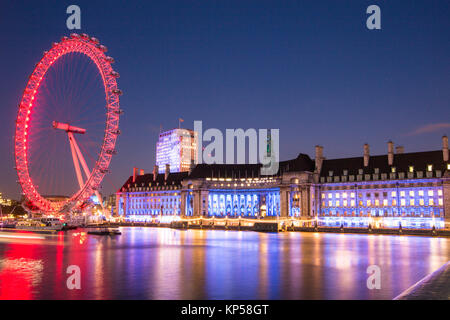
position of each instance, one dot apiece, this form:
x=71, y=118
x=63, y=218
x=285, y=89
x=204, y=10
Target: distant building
x=409, y=190
x=177, y=148
x=5, y=202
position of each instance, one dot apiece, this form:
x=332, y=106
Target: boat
x=105, y=232
x=38, y=224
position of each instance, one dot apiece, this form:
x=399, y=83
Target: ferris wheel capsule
x=64, y=38
x=115, y=74
x=109, y=59
x=103, y=48
x=84, y=36
x=94, y=40
x=75, y=35
x=117, y=91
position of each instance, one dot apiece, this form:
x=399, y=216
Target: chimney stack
x=319, y=158
x=192, y=166
x=445, y=148
x=155, y=172
x=390, y=153
x=399, y=150
x=135, y=173
x=166, y=173
x=366, y=155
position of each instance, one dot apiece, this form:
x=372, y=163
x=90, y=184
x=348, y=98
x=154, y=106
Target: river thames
x=159, y=263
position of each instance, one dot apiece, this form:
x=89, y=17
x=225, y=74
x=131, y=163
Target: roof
x=174, y=178
x=420, y=161
x=302, y=163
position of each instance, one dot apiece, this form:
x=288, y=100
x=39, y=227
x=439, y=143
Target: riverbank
x=435, y=286
x=274, y=226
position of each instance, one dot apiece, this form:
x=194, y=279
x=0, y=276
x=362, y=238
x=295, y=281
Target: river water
x=160, y=263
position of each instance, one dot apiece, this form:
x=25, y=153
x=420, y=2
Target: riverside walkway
x=435, y=286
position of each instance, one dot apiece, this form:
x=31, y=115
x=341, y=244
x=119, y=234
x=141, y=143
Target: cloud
x=429, y=128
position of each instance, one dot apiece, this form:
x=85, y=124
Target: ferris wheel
x=67, y=125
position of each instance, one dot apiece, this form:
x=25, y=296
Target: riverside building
x=397, y=189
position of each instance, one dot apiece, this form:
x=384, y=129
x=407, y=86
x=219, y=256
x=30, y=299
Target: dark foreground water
x=156, y=263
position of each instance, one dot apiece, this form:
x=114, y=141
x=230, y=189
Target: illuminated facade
x=177, y=148
x=408, y=190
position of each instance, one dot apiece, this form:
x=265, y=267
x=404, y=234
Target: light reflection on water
x=156, y=263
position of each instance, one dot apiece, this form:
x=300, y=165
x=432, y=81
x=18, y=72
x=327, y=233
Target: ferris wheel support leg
x=84, y=166
x=75, y=159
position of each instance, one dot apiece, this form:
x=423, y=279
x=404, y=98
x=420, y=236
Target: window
x=448, y=166
x=394, y=202
x=411, y=202
x=369, y=203
x=329, y=203
x=393, y=194
x=385, y=202
x=430, y=193
x=377, y=202
x=345, y=172
x=421, y=193
x=431, y=202
x=421, y=202
x=411, y=169
x=352, y=194
x=338, y=203
x=323, y=195
x=402, y=202
x=441, y=202
x=344, y=195
x=393, y=169
x=338, y=195
x=352, y=203
x=402, y=193
x=330, y=173
x=430, y=167
x=329, y=196
x=345, y=203
x=440, y=192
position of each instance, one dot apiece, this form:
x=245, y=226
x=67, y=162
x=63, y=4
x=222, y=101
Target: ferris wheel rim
x=96, y=53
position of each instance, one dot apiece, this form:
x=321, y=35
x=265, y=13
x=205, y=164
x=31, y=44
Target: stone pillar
x=305, y=201
x=284, y=201
x=446, y=193
x=184, y=194
x=203, y=196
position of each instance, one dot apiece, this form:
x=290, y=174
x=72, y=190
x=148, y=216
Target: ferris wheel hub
x=68, y=128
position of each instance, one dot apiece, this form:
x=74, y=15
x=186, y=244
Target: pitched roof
x=420, y=161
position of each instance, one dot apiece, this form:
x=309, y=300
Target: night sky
x=310, y=68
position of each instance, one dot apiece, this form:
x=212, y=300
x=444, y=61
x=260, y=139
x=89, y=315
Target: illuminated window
x=360, y=203
x=411, y=169
x=323, y=204
x=411, y=202
x=345, y=203
x=441, y=202
x=352, y=203
x=338, y=203
x=411, y=193
x=430, y=193
x=329, y=203
x=394, y=194
x=323, y=195
x=421, y=193
x=402, y=202
x=440, y=192
x=421, y=202
x=430, y=167
x=352, y=194
x=377, y=202
x=394, y=202
x=385, y=202
x=369, y=203
x=431, y=202
x=402, y=193
x=329, y=196
x=337, y=195
x=448, y=166
x=344, y=195
x=393, y=169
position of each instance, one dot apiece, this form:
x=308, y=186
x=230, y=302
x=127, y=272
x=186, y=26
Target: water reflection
x=152, y=263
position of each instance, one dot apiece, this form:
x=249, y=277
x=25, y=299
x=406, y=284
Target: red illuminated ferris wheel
x=63, y=117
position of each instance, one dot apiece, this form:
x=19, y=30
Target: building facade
x=410, y=190
x=178, y=148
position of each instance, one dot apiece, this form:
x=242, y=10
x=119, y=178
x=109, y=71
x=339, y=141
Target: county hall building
x=397, y=189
